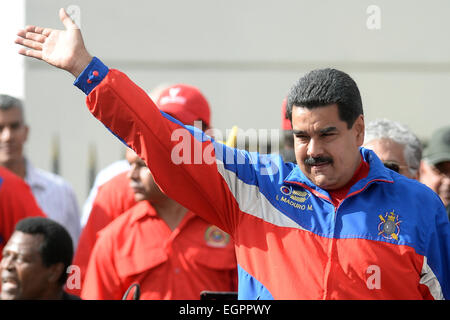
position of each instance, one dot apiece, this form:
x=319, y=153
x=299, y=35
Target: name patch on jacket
x=294, y=198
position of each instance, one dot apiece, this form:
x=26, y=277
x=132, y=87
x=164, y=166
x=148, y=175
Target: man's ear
x=55, y=272
x=27, y=131
x=422, y=169
x=359, y=128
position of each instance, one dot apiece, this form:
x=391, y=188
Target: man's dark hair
x=323, y=87
x=57, y=244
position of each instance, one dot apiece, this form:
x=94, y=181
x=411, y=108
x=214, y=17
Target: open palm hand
x=63, y=49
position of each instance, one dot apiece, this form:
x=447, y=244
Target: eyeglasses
x=393, y=166
x=441, y=170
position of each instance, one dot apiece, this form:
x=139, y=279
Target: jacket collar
x=377, y=172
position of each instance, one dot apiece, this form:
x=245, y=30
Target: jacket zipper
x=328, y=275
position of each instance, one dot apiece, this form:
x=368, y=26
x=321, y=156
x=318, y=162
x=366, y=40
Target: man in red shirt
x=169, y=251
x=185, y=103
x=16, y=202
x=112, y=199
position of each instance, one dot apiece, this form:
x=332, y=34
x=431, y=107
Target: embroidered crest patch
x=389, y=226
x=216, y=238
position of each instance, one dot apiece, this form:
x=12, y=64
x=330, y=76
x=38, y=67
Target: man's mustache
x=317, y=160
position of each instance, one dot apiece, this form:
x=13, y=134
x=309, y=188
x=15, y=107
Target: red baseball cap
x=185, y=103
x=285, y=123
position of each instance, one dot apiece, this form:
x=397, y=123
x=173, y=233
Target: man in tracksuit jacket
x=338, y=225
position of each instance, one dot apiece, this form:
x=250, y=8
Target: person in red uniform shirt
x=185, y=103
x=168, y=250
x=112, y=199
x=16, y=203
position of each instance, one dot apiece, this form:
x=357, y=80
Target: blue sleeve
x=91, y=76
x=439, y=250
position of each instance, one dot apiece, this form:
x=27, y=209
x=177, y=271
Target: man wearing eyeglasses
x=397, y=147
x=435, y=166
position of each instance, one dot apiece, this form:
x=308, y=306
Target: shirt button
x=177, y=270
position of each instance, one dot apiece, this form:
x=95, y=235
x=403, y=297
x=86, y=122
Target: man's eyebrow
x=328, y=130
x=321, y=131
x=15, y=123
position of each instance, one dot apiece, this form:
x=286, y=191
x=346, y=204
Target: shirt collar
x=149, y=210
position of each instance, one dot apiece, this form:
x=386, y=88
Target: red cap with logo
x=285, y=123
x=185, y=103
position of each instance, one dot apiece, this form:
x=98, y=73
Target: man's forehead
x=132, y=158
x=24, y=242
x=387, y=149
x=11, y=115
x=326, y=116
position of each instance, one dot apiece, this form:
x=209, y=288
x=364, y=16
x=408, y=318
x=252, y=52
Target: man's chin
x=323, y=183
x=139, y=197
x=8, y=294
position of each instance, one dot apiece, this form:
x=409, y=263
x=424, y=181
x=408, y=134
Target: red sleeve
x=129, y=112
x=16, y=202
x=101, y=281
x=113, y=198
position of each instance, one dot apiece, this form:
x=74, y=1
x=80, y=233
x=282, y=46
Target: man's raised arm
x=218, y=188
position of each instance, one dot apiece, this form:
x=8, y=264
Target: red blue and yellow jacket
x=388, y=239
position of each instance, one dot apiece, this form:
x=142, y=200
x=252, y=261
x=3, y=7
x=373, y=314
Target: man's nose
x=133, y=174
x=6, y=263
x=315, y=148
x=6, y=134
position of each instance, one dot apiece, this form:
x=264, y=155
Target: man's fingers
x=66, y=20
x=31, y=53
x=39, y=30
x=33, y=36
x=29, y=43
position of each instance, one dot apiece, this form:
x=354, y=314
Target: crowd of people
x=346, y=210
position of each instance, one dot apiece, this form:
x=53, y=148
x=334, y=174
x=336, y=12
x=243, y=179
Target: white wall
x=12, y=18
x=244, y=55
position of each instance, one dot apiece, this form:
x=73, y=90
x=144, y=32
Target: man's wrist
x=81, y=64
x=92, y=74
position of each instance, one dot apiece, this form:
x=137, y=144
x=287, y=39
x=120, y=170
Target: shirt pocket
x=141, y=262
x=216, y=258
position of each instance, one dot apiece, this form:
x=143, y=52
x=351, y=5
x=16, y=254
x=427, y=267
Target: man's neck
x=170, y=211
x=362, y=170
x=53, y=294
x=17, y=166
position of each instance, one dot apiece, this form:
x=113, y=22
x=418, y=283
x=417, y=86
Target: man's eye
x=330, y=134
x=22, y=258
